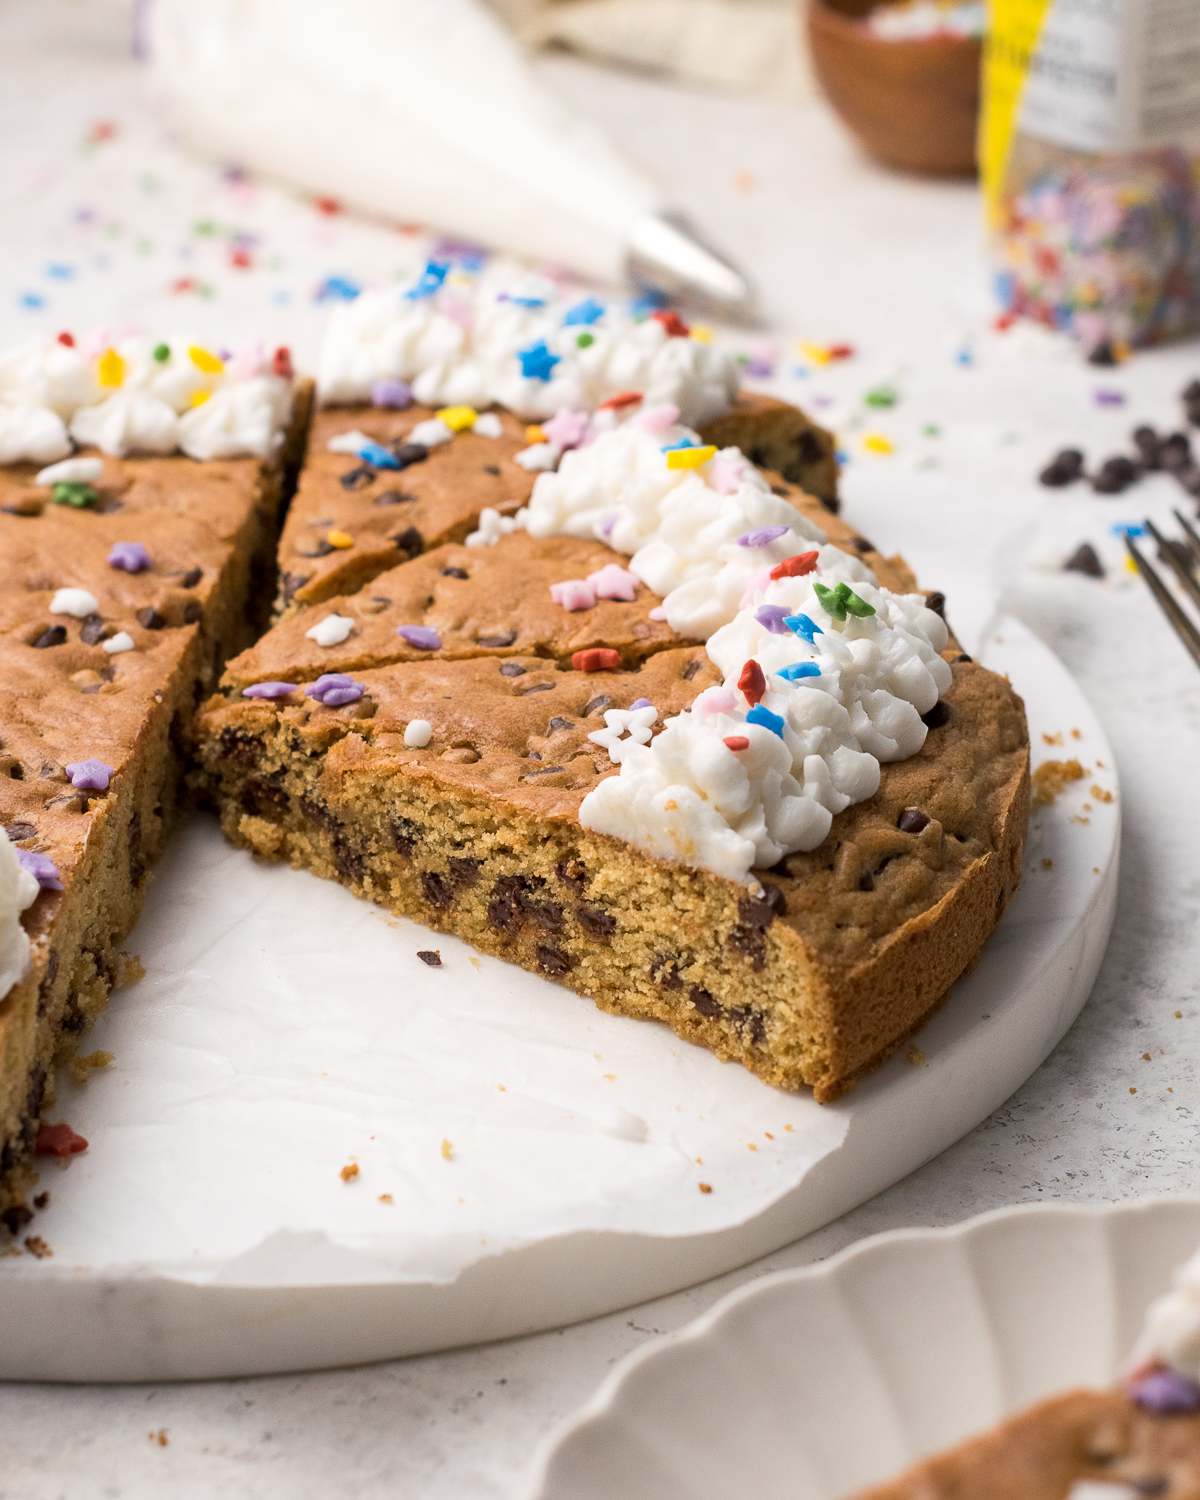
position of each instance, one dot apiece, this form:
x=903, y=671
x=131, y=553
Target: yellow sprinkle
x=689, y=458
x=447, y=1150
x=458, y=418
x=875, y=442
x=206, y=363
x=701, y=334
x=534, y=434
x=817, y=353
x=198, y=398
x=1130, y=565
x=340, y=539
x=111, y=369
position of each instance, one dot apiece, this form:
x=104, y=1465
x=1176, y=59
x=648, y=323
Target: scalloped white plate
x=809, y=1384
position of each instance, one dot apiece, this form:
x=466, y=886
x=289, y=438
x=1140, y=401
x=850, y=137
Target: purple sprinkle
x=1110, y=398
x=1166, y=1392
x=423, y=637
x=90, y=775
x=269, y=690
x=41, y=867
x=772, y=618
x=763, y=537
x=394, y=393
x=610, y=522
x=759, y=368
x=131, y=556
x=641, y=703
x=332, y=689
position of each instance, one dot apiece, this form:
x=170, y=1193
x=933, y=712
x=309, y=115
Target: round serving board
x=313, y=1149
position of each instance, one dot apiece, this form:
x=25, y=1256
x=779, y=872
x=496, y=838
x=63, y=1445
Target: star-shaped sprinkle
x=130, y=556
x=537, y=362
x=624, y=727
x=90, y=775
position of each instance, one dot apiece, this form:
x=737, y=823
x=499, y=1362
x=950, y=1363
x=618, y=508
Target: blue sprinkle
x=281, y=297
x=587, y=311
x=799, y=669
x=683, y=442
x=60, y=272
x=31, y=300
x=648, y=302
x=842, y=456
x=764, y=717
x=964, y=357
x=339, y=288
x=803, y=627
x=527, y=301
x=1130, y=528
x=537, y=363
x=429, y=283
x=379, y=456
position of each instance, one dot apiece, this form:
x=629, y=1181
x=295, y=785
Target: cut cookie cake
x=656, y=724
x=140, y=491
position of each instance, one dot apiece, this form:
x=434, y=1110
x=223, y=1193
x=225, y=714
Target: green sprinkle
x=162, y=353
x=931, y=429
x=204, y=226
x=882, y=395
x=585, y=340
x=74, y=492
x=839, y=601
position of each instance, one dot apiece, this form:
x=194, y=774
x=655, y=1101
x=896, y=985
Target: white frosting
x=492, y=526
x=1102, y=1489
x=237, y=420
x=488, y=425
x=31, y=434
x=331, y=631
x=418, y=733
x=71, y=471
x=115, y=644
x=77, y=602
x=1171, y=1331
x=462, y=346
x=18, y=890
x=48, y=374
x=128, y=421
x=431, y=434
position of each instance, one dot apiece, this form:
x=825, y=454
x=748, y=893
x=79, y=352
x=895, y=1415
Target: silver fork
x=1170, y=606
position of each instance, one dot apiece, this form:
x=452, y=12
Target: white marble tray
x=285, y=1030
x=812, y=1384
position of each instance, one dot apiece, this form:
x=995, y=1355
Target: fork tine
x=1189, y=531
x=1167, y=553
x=1182, y=626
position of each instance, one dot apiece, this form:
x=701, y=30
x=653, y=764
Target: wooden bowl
x=911, y=104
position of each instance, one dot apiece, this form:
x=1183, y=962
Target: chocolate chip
x=93, y=630
x=936, y=602
x=18, y=831
x=597, y=705
x=596, y=923
x=506, y=638
x=1149, y=447
x=512, y=669
x=465, y=871
x=192, y=611
x=572, y=872
x=1176, y=452
x=492, y=469
x=553, y=961
x=704, y=1002
x=664, y=970
x=1084, y=560
x=1151, y=1484
x=320, y=548
x=780, y=490
x=15, y=1218
x=912, y=820
x=394, y=497
x=866, y=881
x=405, y=834
x=761, y=911
x=410, y=453
x=41, y=1200
x=538, y=687
x=1064, y=468
x=860, y=544
x=358, y=479
x=53, y=635
x=1103, y=354
x=430, y=956
x=557, y=723
x=808, y=447
x=350, y=862
x=293, y=583
x=317, y=812
x=191, y=578
x=692, y=668
x=545, y=771
x=938, y=714
x=150, y=618
x=256, y=791
x=438, y=889
x=533, y=755
x=962, y=657
x=410, y=542
x=1117, y=474
x=455, y=573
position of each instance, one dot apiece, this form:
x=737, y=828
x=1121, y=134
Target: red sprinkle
x=68, y=339
x=840, y=351
x=673, y=325
x=184, y=284
x=736, y=742
x=58, y=1140
x=1004, y=322
x=240, y=258
x=327, y=205
x=281, y=364
x=626, y=398
x=596, y=659
x=752, y=682
x=796, y=567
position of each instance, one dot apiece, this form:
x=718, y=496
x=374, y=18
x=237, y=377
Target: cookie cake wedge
x=726, y=770
x=140, y=493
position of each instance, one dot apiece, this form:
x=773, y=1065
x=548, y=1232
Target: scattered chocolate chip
x=350, y=862
x=597, y=705
x=53, y=635
x=1064, y=468
x=505, y=638
x=866, y=881
x=545, y=771
x=455, y=573
x=410, y=542
x=438, y=889
x=692, y=668
x=52, y=771
x=41, y=1200
x=1176, y=452
x=15, y=1218
x=320, y=548
x=808, y=447
x=1116, y=474
x=538, y=687
x=394, y=497
x=937, y=715
x=493, y=469
x=1149, y=447
x=93, y=630
x=553, y=961
x=936, y=602
x=410, y=453
x=702, y=1001
x=1084, y=560
x=317, y=812
x=358, y=479
x=405, y=834
x=596, y=923
x=533, y=755
x=150, y=618
x=18, y=831
x=512, y=669
x=912, y=820
x=293, y=583
x=464, y=870
x=1151, y=1484
x=192, y=611
x=780, y=490
x=761, y=911
x=191, y=578
x=557, y=723
x=1103, y=354
x=962, y=657
x=860, y=544
x=430, y=956
x=664, y=970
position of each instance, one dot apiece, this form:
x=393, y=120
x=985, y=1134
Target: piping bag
x=423, y=111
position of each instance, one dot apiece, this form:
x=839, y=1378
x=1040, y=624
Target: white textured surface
x=842, y=251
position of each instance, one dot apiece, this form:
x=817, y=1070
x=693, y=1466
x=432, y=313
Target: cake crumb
x=1101, y=795
x=1053, y=739
x=130, y=969
x=159, y=1437
x=447, y=1150
x=82, y=1068
x=917, y=1057
x=1076, y=734
x=1145, y=1057
x=349, y=1172
x=1179, y=1015
x=42, y=1199
x=1051, y=777
x=1133, y=1091
x=706, y=1187
x=386, y=1198
x=753, y=1147
x=36, y=1245
x=1047, y=864
x=430, y=956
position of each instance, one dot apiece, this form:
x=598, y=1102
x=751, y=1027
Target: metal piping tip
x=667, y=254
